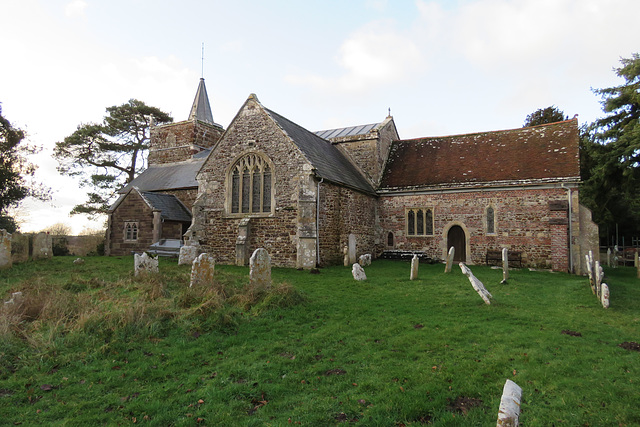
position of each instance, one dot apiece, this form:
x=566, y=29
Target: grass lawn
x=98, y=346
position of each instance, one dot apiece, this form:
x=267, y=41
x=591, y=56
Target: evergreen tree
x=545, y=115
x=108, y=155
x=14, y=173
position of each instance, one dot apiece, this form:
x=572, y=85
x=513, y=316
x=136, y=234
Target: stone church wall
x=176, y=142
x=132, y=208
x=524, y=222
x=343, y=212
x=216, y=229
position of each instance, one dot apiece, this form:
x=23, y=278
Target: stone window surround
x=131, y=231
x=415, y=210
x=266, y=161
x=486, y=220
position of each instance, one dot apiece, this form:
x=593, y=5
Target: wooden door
x=457, y=239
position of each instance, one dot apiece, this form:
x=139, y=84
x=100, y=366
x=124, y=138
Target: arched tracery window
x=251, y=185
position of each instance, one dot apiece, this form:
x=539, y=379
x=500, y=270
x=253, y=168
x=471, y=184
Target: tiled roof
x=539, y=153
x=169, y=176
x=330, y=163
x=201, y=109
x=170, y=207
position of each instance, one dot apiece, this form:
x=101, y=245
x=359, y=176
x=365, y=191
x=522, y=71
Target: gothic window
x=390, y=239
x=131, y=231
x=491, y=221
x=250, y=185
x=419, y=222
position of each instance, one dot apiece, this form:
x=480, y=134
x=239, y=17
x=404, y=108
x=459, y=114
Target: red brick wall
x=522, y=223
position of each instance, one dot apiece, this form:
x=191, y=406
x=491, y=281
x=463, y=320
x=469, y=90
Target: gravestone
x=415, y=262
x=358, y=272
x=477, y=284
x=144, y=264
x=505, y=265
x=5, y=249
x=202, y=269
x=608, y=257
x=42, y=246
x=352, y=248
x=509, y=411
x=188, y=254
x=260, y=264
x=604, y=299
x=365, y=260
x=19, y=247
x=242, y=241
x=452, y=252
x=346, y=256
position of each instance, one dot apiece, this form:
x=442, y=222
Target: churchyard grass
x=103, y=347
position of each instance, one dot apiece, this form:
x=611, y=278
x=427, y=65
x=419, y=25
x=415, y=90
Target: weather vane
x=202, y=60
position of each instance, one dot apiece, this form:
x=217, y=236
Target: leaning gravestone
x=5, y=249
x=452, y=252
x=188, y=254
x=42, y=246
x=358, y=272
x=505, y=265
x=346, y=256
x=415, y=262
x=145, y=264
x=260, y=264
x=477, y=284
x=365, y=260
x=202, y=269
x=509, y=411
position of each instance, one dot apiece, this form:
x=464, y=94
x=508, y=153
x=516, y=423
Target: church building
x=305, y=196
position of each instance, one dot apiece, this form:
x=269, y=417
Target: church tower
x=176, y=142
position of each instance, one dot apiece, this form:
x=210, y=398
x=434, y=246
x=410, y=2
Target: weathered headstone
x=346, y=256
x=42, y=246
x=242, y=241
x=144, y=264
x=477, y=284
x=415, y=262
x=5, y=249
x=260, y=264
x=505, y=265
x=352, y=248
x=358, y=272
x=365, y=260
x=509, y=411
x=452, y=252
x=604, y=298
x=599, y=276
x=188, y=254
x=635, y=260
x=19, y=247
x=202, y=269
x=608, y=257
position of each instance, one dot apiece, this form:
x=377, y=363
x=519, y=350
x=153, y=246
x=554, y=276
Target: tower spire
x=201, y=109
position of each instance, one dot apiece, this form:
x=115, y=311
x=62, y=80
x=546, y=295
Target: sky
x=441, y=67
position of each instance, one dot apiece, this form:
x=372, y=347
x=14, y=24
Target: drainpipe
x=570, y=229
x=318, y=223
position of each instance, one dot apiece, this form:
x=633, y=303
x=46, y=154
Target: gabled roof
x=329, y=162
x=170, y=207
x=169, y=176
x=546, y=153
x=201, y=109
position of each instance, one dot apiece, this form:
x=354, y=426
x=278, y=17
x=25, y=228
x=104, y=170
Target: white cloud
x=75, y=9
x=372, y=56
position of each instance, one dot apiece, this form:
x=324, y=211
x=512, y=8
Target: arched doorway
x=457, y=239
